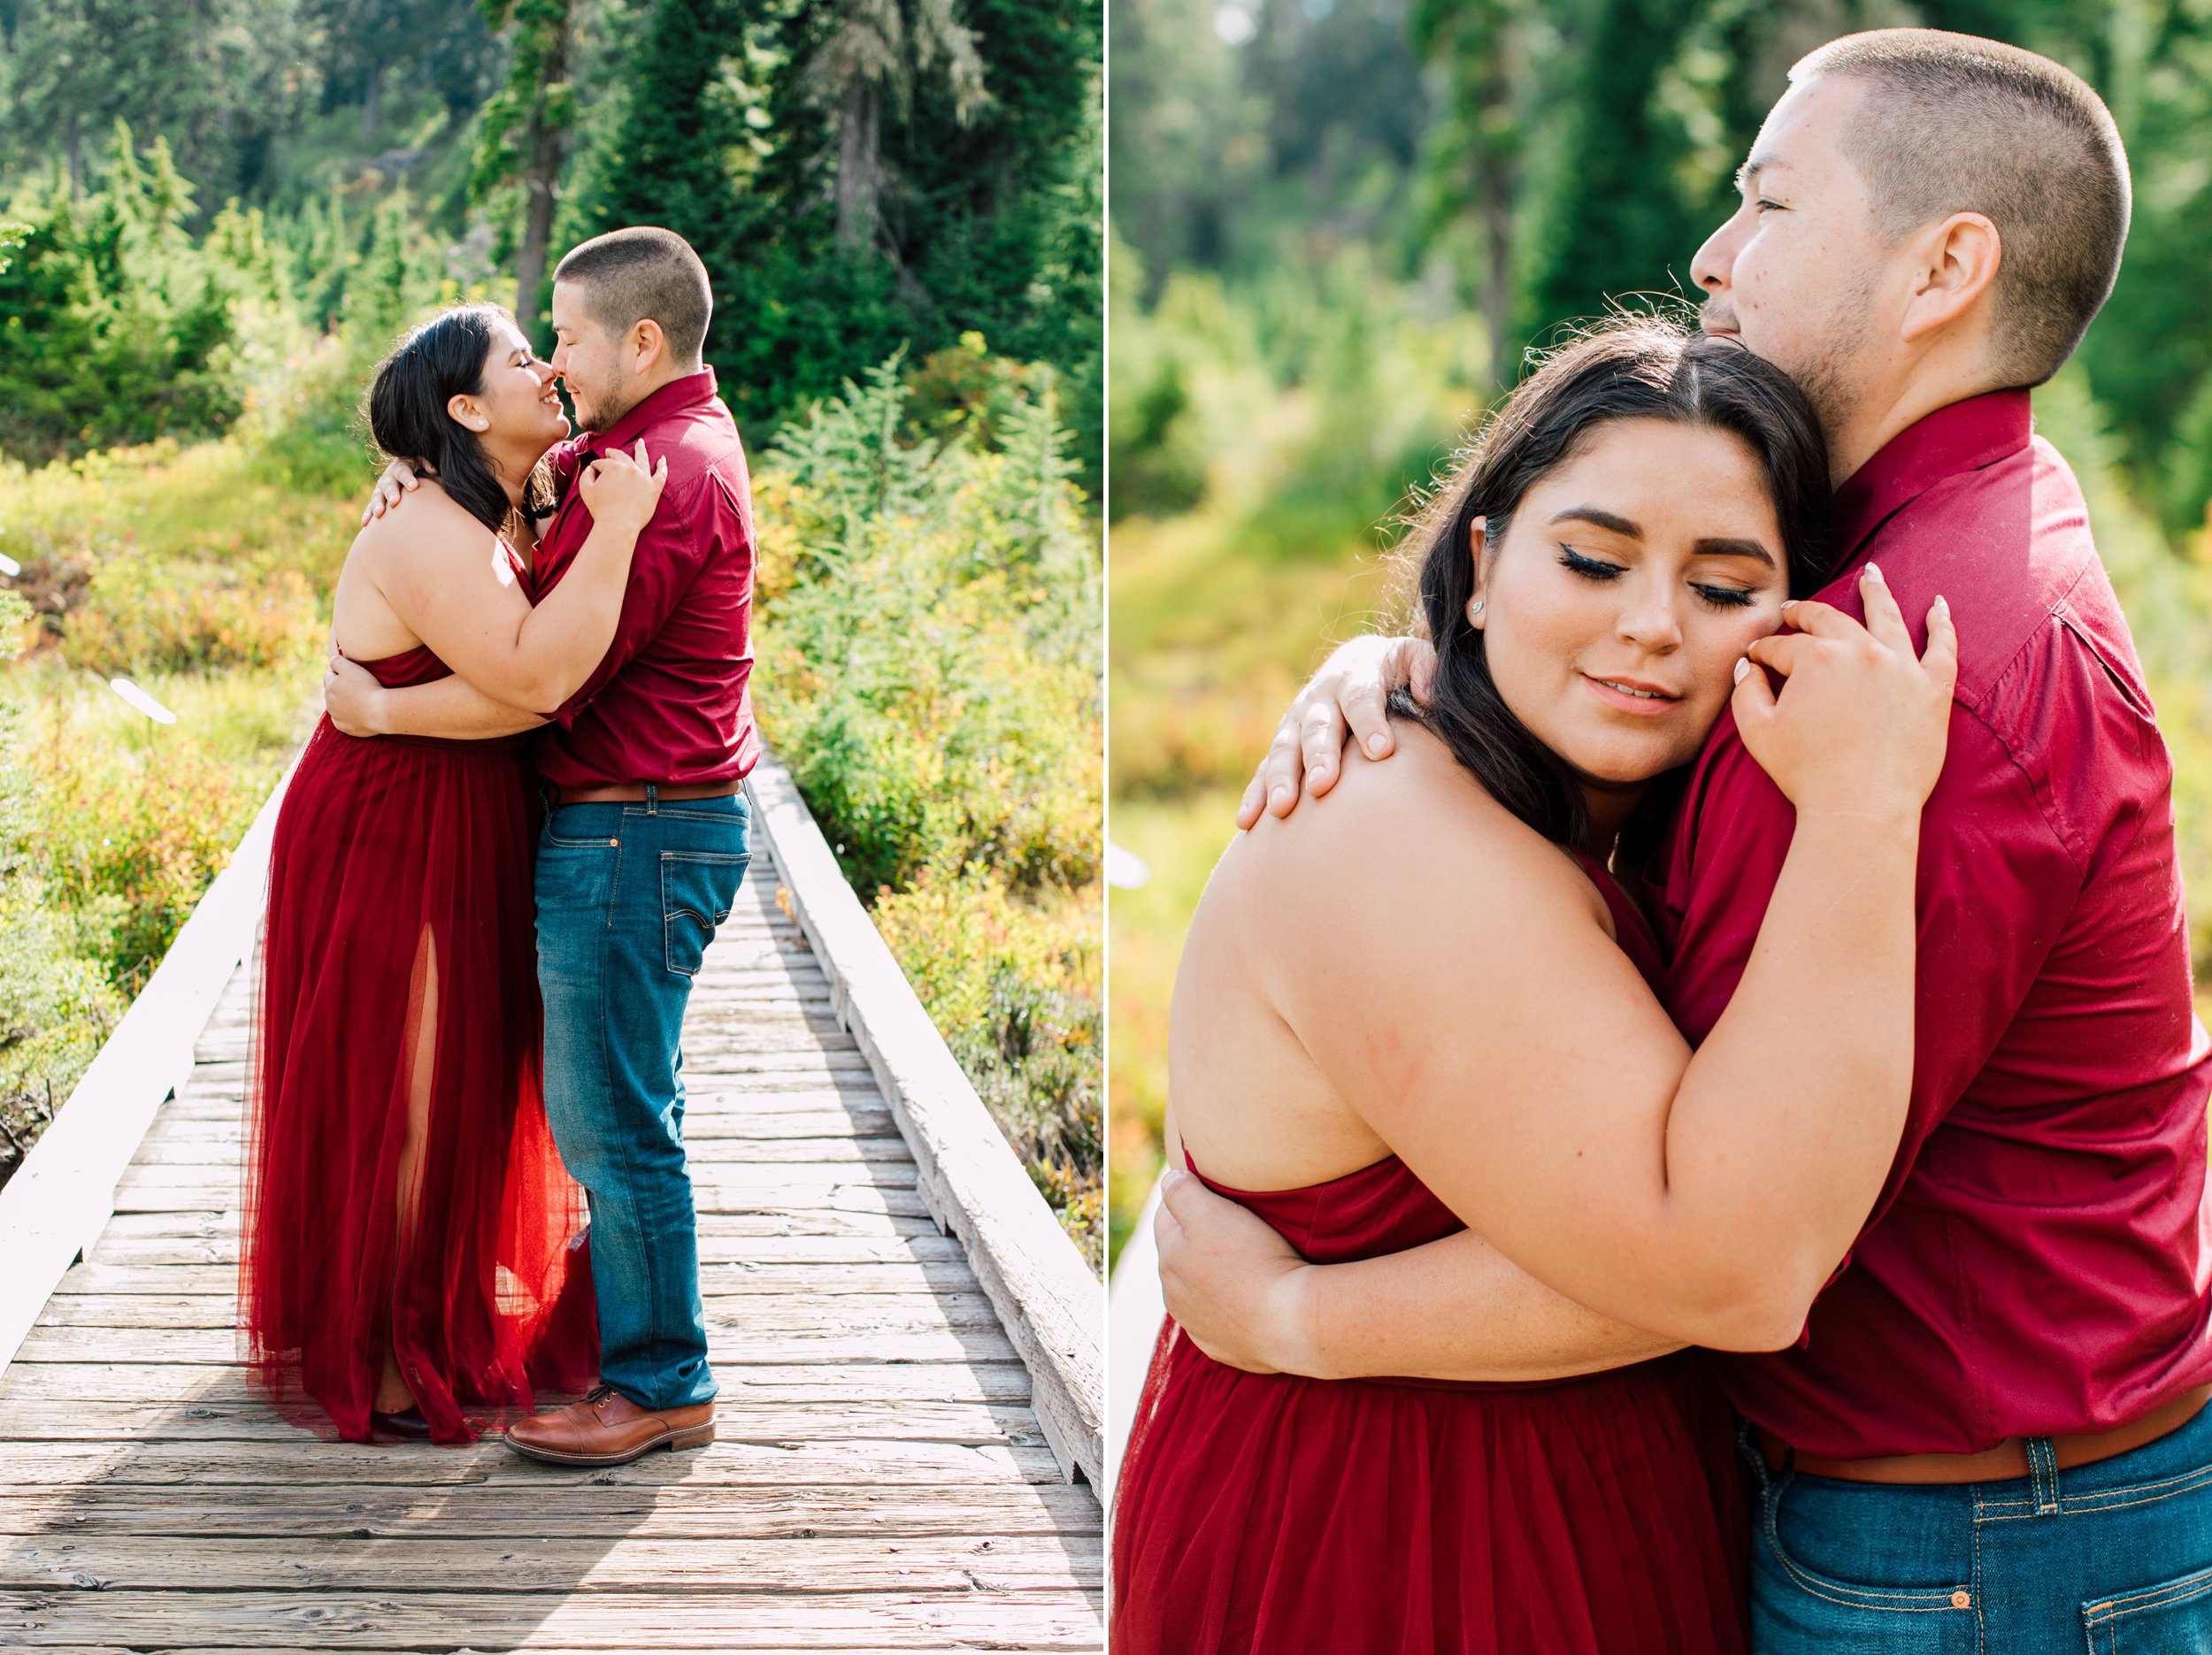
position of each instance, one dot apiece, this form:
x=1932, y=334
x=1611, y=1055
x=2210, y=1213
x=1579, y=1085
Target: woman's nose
x=1650, y=620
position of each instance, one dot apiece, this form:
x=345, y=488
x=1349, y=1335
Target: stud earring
x=1474, y=610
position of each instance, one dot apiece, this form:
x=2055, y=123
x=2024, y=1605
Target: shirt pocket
x=698, y=888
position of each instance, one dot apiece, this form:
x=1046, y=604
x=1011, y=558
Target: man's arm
x=451, y=706
x=1456, y=1308
x=1348, y=699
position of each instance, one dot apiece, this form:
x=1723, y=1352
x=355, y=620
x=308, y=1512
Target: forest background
x=217, y=215
x=1337, y=225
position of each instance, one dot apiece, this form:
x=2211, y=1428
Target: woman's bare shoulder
x=1399, y=835
x=428, y=519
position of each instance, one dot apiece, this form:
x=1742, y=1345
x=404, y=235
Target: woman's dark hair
x=1630, y=368
x=444, y=358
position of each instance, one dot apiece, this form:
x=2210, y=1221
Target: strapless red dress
x=403, y=1189
x=1281, y=1515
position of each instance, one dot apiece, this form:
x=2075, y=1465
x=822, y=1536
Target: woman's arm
x=478, y=621
x=1707, y=1197
x=1455, y=1309
x=452, y=707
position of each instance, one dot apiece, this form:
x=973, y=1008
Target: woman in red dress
x=407, y=1251
x=1424, y=1003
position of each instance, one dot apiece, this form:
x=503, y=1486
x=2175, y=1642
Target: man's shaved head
x=626, y=277
x=1951, y=123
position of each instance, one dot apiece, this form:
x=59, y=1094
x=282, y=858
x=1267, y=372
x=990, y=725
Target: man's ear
x=465, y=410
x=1959, y=263
x=649, y=346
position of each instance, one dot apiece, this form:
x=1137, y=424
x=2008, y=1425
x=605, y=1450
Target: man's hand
x=398, y=479
x=1348, y=697
x=1230, y=1280
x=353, y=697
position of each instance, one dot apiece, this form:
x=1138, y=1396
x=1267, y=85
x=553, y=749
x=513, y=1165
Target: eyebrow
x=1748, y=174
x=1711, y=546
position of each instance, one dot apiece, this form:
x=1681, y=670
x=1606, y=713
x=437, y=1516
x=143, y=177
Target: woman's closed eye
x=1588, y=568
x=1724, y=597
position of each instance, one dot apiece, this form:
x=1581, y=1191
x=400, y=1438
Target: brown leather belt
x=2007, y=1459
x=632, y=793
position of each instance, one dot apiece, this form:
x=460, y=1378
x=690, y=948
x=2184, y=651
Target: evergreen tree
x=526, y=129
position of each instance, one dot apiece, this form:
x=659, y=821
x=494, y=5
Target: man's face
x=1799, y=273
x=590, y=361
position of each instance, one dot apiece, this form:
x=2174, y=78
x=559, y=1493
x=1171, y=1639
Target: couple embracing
x=1703, y=944
x=495, y=869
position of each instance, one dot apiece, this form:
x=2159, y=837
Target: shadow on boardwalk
x=879, y=1481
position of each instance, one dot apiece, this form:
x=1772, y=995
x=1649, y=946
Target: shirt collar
x=677, y=394
x=1961, y=437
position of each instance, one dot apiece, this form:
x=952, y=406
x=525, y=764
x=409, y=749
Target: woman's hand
x=621, y=490
x=353, y=697
x=1861, y=724
x=1229, y=1279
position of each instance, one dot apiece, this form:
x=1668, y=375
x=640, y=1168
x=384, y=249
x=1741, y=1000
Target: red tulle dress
x=1282, y=1516
x=403, y=1189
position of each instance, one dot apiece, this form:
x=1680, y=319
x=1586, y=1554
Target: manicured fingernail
x=1374, y=746
x=1788, y=605
x=1279, y=796
x=1874, y=572
x=1743, y=665
x=1942, y=603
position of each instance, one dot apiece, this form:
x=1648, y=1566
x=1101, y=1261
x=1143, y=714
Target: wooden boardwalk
x=879, y=1481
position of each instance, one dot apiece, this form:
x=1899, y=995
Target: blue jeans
x=2110, y=1557
x=628, y=897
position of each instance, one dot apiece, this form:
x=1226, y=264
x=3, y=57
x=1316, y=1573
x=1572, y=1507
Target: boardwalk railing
x=1051, y=1304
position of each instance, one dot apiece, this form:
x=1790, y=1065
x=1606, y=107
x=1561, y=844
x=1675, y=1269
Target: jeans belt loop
x=2043, y=1472
x=652, y=800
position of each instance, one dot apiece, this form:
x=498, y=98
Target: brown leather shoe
x=607, y=1429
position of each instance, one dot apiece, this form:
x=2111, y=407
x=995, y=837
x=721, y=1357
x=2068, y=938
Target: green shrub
x=929, y=611
x=56, y=1004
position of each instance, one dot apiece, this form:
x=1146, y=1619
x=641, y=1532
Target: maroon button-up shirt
x=671, y=701
x=2039, y=1260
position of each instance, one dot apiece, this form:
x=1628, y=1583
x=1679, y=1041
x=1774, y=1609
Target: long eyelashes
x=1599, y=569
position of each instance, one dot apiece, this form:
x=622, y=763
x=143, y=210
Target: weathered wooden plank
x=889, y=1420
x=709, y=1150
x=727, y=1231
x=741, y=1313
x=823, y=1564
x=309, y=1460
x=798, y=1281
x=733, y=1344
x=751, y=1253
x=468, y=1512
x=180, y=1386
x=737, y=1620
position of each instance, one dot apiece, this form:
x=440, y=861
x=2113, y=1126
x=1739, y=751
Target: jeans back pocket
x=2174, y=1618
x=698, y=888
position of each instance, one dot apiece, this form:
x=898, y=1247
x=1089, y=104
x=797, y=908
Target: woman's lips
x=1620, y=694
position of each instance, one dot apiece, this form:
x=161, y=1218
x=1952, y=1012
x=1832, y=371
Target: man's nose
x=1710, y=269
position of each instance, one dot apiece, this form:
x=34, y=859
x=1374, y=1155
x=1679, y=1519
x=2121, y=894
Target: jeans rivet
x=1962, y=1599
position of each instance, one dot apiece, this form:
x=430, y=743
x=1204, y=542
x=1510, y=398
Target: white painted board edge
x=1050, y=1304
x=1135, y=1308
x=60, y=1199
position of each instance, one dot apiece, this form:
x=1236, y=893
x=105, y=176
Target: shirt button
x=1962, y=1599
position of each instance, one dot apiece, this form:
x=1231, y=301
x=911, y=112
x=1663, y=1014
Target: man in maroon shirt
x=1990, y=1434
x=645, y=844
